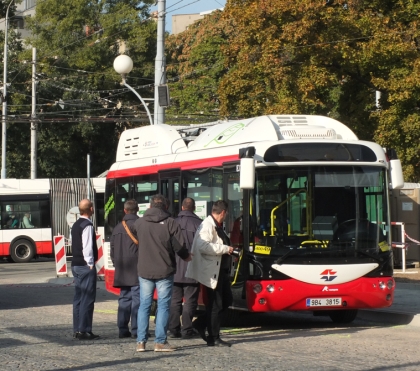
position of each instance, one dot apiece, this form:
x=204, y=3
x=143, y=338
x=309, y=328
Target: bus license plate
x=324, y=302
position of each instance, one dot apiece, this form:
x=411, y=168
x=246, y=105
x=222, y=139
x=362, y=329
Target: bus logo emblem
x=328, y=275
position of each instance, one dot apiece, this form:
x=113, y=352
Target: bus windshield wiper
x=378, y=259
x=285, y=256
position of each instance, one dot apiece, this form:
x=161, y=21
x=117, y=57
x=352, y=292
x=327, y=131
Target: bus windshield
x=322, y=211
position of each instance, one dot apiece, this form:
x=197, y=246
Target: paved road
x=35, y=334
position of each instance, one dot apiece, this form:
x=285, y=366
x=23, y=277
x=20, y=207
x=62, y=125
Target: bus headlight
x=382, y=285
x=270, y=288
x=390, y=284
x=257, y=288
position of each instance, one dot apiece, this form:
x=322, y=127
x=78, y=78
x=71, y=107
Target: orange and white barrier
x=100, y=264
x=60, y=256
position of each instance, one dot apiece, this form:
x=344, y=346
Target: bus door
x=169, y=182
x=234, y=229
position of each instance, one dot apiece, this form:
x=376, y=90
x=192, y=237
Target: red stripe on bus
x=185, y=165
x=4, y=248
x=44, y=247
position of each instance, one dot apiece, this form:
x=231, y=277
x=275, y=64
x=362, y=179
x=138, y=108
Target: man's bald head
x=86, y=207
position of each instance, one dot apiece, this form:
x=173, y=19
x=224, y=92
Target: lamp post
x=4, y=98
x=123, y=64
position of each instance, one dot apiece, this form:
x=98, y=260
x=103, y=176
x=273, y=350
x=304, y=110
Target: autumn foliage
x=309, y=57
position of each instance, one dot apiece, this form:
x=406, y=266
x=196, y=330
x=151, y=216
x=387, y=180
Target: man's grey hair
x=131, y=206
x=219, y=206
x=159, y=202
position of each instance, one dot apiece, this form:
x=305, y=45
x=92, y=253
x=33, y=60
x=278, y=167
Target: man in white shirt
x=85, y=254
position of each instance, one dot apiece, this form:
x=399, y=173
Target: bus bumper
x=276, y=295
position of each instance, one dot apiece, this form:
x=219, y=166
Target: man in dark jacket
x=85, y=254
x=124, y=255
x=186, y=288
x=160, y=238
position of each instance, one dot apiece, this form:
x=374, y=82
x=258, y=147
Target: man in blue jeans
x=160, y=238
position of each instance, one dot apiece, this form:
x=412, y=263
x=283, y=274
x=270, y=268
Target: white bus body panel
x=332, y=274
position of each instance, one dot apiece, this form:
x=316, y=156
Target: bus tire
x=343, y=316
x=22, y=251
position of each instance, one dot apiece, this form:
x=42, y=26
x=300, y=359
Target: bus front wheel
x=22, y=251
x=343, y=316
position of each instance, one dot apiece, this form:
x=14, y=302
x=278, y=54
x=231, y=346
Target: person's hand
x=230, y=250
x=189, y=258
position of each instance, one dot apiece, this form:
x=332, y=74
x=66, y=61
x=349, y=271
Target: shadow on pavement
x=42, y=295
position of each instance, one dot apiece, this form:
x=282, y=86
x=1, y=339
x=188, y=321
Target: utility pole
x=160, y=62
x=4, y=112
x=33, y=117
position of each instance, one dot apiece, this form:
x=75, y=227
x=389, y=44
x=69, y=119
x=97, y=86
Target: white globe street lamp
x=123, y=64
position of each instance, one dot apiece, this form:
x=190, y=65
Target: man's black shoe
x=174, y=335
x=218, y=343
x=87, y=336
x=201, y=331
x=190, y=335
x=124, y=335
x=76, y=335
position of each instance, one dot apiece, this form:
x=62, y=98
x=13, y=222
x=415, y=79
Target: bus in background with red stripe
x=32, y=211
x=308, y=206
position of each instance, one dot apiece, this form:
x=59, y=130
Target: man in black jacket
x=160, y=238
x=186, y=288
x=85, y=254
x=124, y=255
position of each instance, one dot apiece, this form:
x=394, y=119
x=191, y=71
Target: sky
x=188, y=7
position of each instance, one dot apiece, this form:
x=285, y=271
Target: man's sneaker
x=141, y=347
x=165, y=347
x=174, y=335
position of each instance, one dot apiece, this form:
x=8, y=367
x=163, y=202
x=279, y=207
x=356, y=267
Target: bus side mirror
x=247, y=173
x=247, y=169
x=397, y=178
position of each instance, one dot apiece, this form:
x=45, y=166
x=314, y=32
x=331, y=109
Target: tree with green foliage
x=12, y=9
x=81, y=106
x=329, y=58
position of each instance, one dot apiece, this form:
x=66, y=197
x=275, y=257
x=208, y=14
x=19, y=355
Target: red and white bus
x=32, y=211
x=308, y=206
